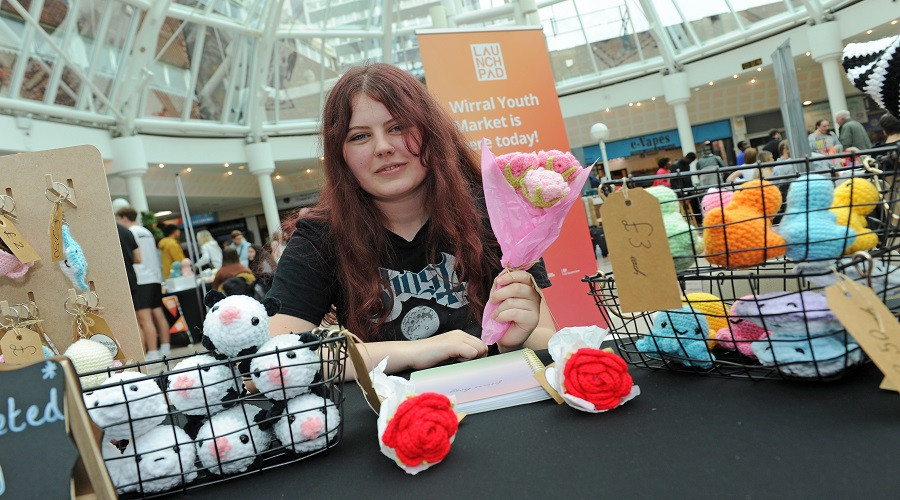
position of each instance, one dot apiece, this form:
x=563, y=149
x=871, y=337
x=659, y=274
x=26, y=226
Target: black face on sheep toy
x=237, y=325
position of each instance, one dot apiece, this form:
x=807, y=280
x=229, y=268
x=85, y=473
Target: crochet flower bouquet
x=528, y=196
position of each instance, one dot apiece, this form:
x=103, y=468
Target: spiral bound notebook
x=488, y=383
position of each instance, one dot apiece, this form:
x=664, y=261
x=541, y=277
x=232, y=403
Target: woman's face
x=375, y=150
x=822, y=127
x=251, y=253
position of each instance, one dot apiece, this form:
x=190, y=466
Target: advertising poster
x=498, y=85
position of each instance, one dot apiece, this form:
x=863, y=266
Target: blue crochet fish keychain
x=74, y=265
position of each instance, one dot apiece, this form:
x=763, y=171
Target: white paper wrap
x=561, y=346
x=388, y=385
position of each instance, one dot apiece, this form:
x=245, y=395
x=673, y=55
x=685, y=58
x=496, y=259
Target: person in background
x=891, y=127
x=148, y=293
x=772, y=145
x=210, y=253
x=241, y=245
x=130, y=252
x=276, y=245
x=764, y=172
x=170, y=248
x=823, y=141
x=745, y=174
x=742, y=145
x=852, y=134
x=663, y=169
x=709, y=168
x=260, y=261
x=683, y=186
x=231, y=267
x=402, y=199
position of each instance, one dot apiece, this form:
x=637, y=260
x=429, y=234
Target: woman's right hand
x=455, y=344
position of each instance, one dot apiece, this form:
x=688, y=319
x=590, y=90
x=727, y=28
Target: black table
x=685, y=436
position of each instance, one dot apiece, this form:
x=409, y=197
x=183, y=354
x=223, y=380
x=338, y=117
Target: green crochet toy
x=683, y=242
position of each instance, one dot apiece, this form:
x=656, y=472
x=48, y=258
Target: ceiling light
x=321, y=158
x=753, y=80
x=735, y=77
x=278, y=177
x=162, y=165
x=653, y=98
x=638, y=104
x=631, y=104
x=227, y=164
x=710, y=84
x=894, y=21
x=607, y=110
x=188, y=169
x=230, y=172
x=808, y=53
x=308, y=170
x=807, y=103
x=163, y=213
x=242, y=167
x=696, y=89
x=759, y=68
x=869, y=32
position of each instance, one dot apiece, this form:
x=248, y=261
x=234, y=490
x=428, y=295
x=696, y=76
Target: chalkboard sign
x=38, y=403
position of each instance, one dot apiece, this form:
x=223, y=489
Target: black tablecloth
x=685, y=436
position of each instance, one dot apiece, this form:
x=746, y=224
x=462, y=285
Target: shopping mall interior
x=228, y=93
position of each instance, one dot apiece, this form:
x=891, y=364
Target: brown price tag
x=21, y=346
x=362, y=374
x=98, y=331
x=870, y=322
x=16, y=241
x=56, y=242
x=639, y=252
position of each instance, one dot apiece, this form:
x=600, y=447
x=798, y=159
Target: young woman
x=400, y=242
x=210, y=252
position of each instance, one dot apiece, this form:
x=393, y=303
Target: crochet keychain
x=20, y=345
x=86, y=355
x=16, y=254
x=63, y=247
x=31, y=320
x=89, y=324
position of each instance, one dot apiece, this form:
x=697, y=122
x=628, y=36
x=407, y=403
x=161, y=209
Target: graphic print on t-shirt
x=433, y=284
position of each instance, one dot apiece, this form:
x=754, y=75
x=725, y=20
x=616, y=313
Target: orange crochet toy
x=740, y=234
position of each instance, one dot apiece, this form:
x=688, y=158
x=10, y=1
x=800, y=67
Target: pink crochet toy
x=11, y=267
x=186, y=268
x=715, y=198
x=740, y=334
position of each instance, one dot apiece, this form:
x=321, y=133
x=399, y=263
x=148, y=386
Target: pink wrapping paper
x=523, y=231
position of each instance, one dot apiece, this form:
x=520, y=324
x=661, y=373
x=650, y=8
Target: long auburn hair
x=358, y=226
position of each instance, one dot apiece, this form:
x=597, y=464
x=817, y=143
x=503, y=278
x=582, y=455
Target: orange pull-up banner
x=498, y=85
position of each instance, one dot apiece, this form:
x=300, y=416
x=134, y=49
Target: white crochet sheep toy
x=289, y=371
x=201, y=385
x=308, y=419
x=230, y=441
x=166, y=459
x=121, y=466
x=237, y=325
x=127, y=404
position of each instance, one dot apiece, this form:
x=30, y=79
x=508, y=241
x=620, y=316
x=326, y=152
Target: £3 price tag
x=639, y=252
x=870, y=322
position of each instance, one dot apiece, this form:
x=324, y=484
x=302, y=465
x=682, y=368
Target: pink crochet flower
x=11, y=267
x=562, y=163
x=544, y=188
x=515, y=165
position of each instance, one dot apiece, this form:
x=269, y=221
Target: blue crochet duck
x=809, y=228
x=683, y=244
x=678, y=335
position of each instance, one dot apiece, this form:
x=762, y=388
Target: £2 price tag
x=639, y=252
x=870, y=322
x=16, y=242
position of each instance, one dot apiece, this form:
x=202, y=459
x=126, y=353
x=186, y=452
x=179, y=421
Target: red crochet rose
x=421, y=429
x=598, y=377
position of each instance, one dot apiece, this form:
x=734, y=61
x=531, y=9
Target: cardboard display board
x=92, y=224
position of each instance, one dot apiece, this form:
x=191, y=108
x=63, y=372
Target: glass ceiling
x=81, y=60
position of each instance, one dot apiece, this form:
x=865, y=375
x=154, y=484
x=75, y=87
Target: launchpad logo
x=488, y=61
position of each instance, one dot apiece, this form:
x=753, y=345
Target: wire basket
x=206, y=423
x=754, y=306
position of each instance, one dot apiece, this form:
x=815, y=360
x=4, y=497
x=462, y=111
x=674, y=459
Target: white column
x=130, y=161
x=530, y=12
x=262, y=165
x=678, y=93
x=826, y=48
x=438, y=17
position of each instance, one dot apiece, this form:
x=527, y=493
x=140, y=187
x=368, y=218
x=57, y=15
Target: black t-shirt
x=683, y=182
x=126, y=239
x=424, y=303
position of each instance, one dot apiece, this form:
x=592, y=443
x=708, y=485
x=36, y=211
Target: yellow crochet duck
x=712, y=308
x=853, y=201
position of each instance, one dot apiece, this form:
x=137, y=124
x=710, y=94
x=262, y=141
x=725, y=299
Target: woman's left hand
x=519, y=303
